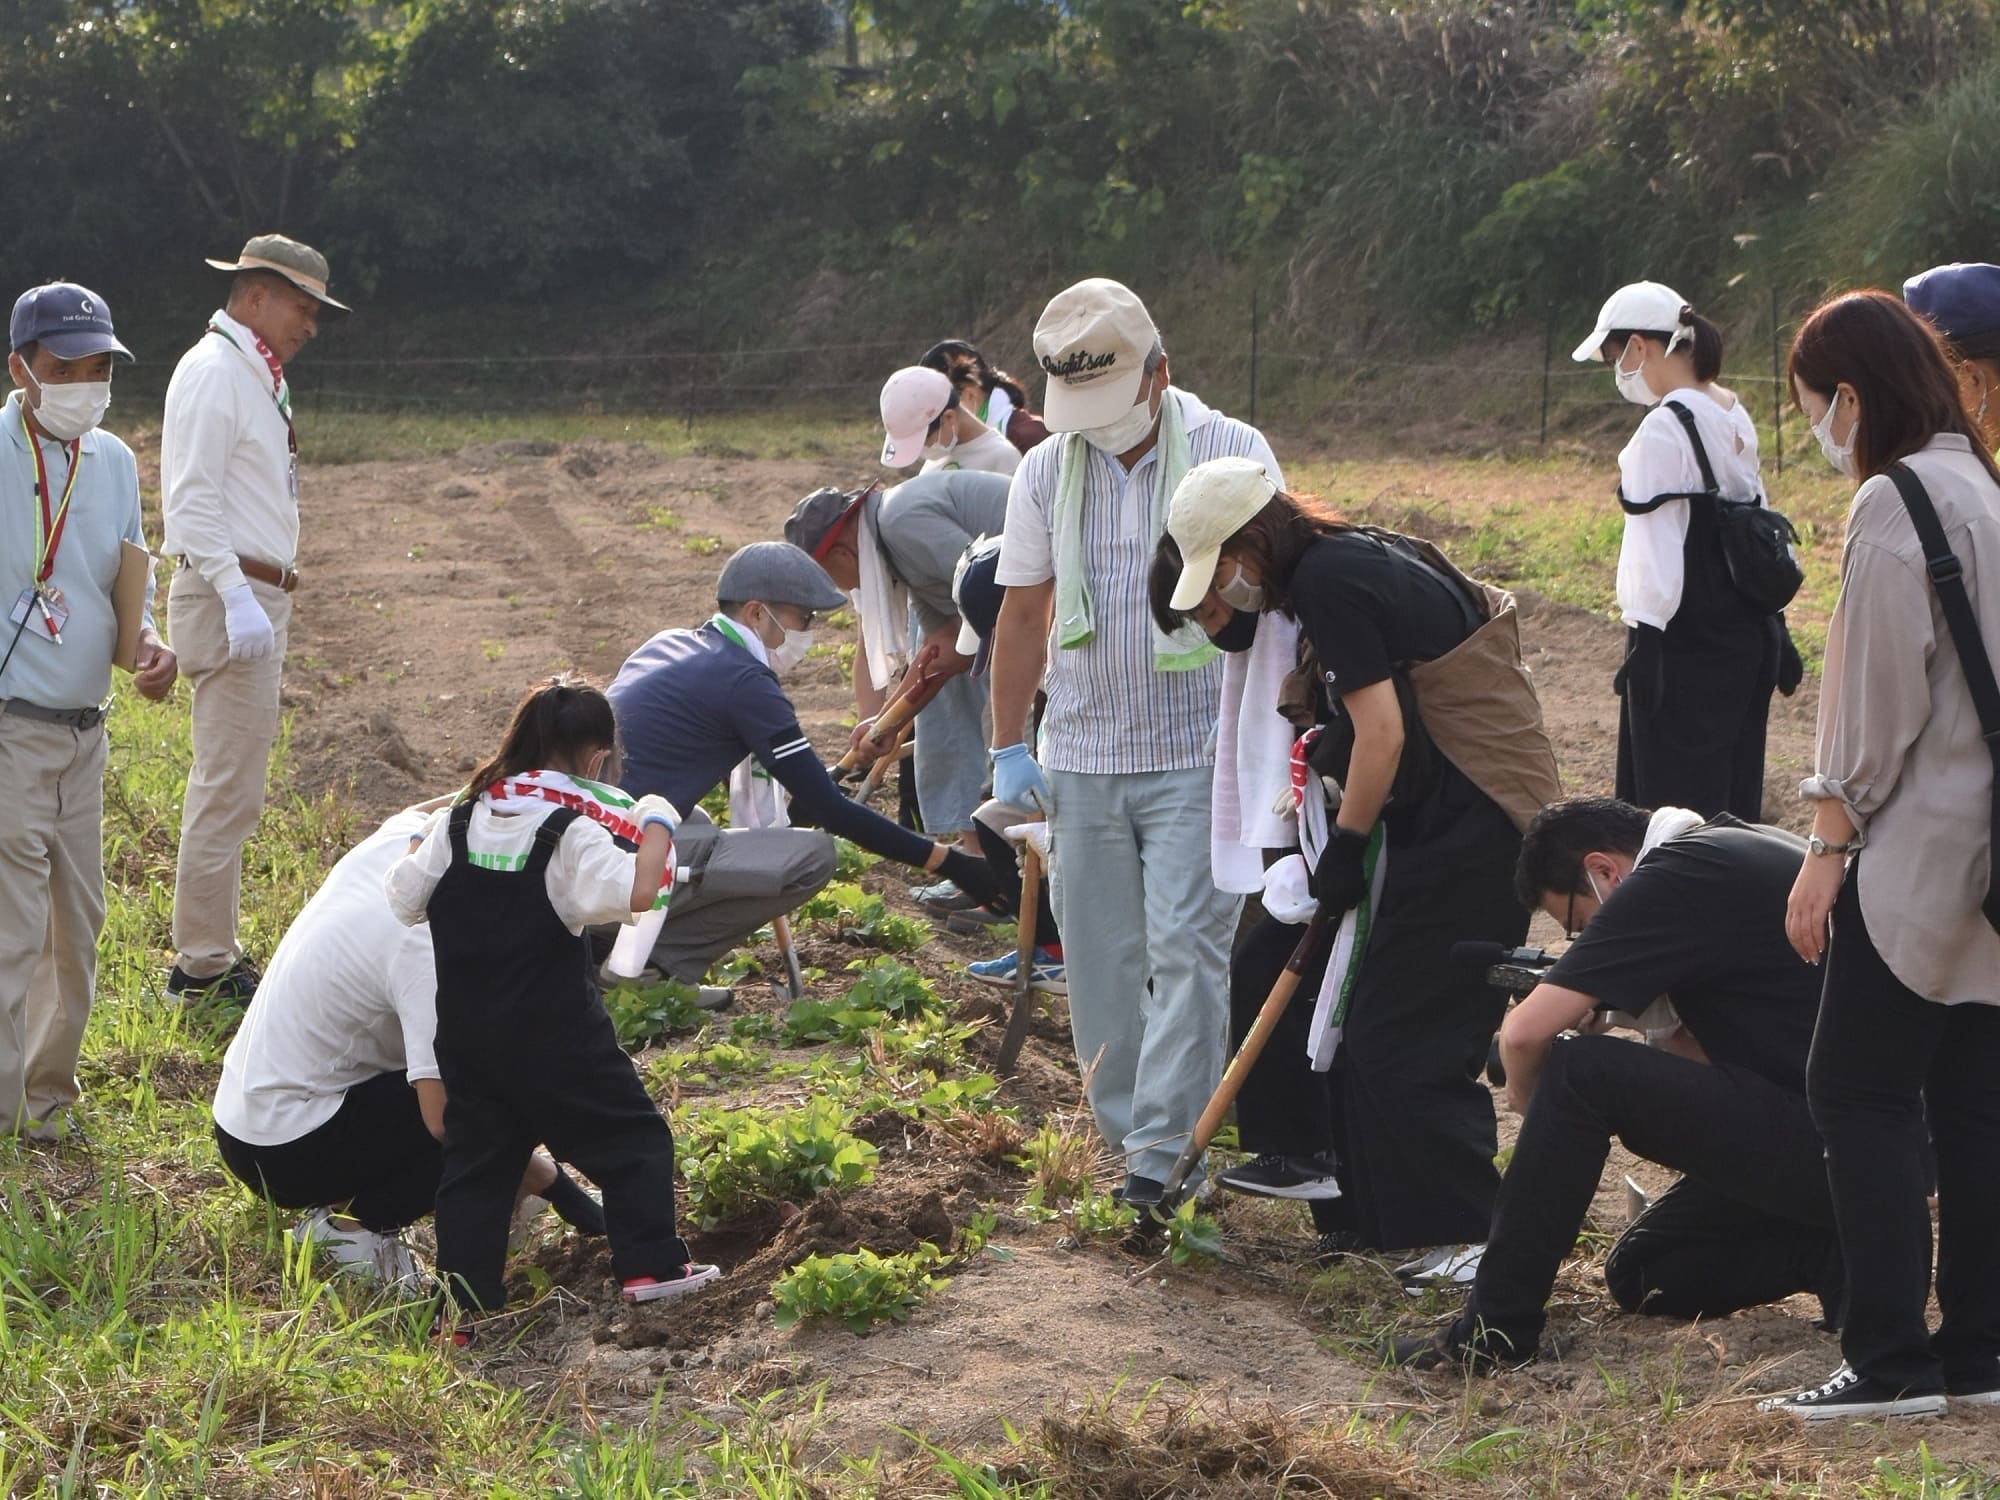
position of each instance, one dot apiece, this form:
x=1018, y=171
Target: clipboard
x=128, y=602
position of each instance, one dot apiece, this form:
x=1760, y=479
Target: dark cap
x=70, y=321
x=815, y=522
x=978, y=597
x=1962, y=301
x=777, y=573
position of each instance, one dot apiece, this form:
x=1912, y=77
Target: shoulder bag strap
x=1948, y=578
x=1652, y=503
x=1700, y=452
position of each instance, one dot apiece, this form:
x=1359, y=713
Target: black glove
x=1791, y=670
x=972, y=875
x=1338, y=882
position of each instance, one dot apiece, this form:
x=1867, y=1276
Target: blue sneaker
x=999, y=972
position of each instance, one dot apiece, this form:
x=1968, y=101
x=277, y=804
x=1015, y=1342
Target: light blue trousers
x=1146, y=940
x=951, y=755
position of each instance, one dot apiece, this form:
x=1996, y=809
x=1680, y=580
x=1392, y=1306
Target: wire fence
x=1548, y=398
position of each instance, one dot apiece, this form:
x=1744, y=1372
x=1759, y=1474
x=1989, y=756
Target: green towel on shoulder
x=1076, y=621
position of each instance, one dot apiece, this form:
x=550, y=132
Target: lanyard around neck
x=281, y=391
x=49, y=525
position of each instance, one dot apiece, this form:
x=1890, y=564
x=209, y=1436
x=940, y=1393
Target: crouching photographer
x=1667, y=906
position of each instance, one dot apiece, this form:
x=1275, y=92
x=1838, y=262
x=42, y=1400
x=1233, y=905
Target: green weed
x=641, y=1013
x=860, y=1288
x=734, y=1158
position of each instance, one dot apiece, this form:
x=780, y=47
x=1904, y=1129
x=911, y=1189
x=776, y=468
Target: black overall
x=1403, y=1110
x=1694, y=697
x=527, y=1055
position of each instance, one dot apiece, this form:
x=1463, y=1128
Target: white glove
x=251, y=637
x=653, y=808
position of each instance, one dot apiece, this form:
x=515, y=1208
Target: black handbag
x=1948, y=578
x=1757, y=541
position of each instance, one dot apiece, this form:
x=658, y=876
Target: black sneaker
x=1141, y=1193
x=1849, y=1395
x=1984, y=1391
x=1276, y=1176
x=235, y=985
x=1336, y=1244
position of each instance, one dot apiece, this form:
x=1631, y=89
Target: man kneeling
x=1669, y=907
x=330, y=1100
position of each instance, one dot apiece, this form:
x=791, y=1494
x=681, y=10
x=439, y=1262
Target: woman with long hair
x=992, y=395
x=1701, y=658
x=1393, y=1144
x=1908, y=1035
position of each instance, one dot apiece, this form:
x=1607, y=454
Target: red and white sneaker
x=655, y=1289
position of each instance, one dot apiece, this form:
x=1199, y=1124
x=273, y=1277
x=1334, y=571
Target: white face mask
x=1840, y=455
x=935, y=451
x=1239, y=592
x=790, y=651
x=67, y=412
x=1125, y=434
x=1632, y=383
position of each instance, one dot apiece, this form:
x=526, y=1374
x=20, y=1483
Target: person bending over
x=691, y=704
x=330, y=1100
x=1668, y=906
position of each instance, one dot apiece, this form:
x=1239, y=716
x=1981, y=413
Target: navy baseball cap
x=1962, y=301
x=70, y=321
x=978, y=597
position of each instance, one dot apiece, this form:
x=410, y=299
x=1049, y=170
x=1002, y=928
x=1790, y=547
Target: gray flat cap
x=777, y=573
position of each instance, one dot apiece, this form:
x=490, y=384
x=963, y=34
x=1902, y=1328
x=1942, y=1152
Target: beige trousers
x=235, y=725
x=51, y=911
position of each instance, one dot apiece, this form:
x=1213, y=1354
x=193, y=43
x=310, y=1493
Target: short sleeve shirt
x=1367, y=605
x=1701, y=920
x=927, y=522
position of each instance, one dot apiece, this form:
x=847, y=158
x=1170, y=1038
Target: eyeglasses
x=1570, y=929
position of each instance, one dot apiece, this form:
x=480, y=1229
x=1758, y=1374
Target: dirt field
x=435, y=589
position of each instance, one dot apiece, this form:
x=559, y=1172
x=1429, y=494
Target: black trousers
x=1751, y=1221
x=585, y=1101
x=376, y=1156
x=1691, y=734
x=1881, y=1054
x=1403, y=1108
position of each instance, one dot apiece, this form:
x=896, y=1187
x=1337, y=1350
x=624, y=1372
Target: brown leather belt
x=279, y=578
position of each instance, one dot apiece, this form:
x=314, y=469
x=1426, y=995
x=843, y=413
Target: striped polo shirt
x=1110, y=712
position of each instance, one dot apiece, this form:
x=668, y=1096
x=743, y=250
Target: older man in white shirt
x=1127, y=736
x=229, y=478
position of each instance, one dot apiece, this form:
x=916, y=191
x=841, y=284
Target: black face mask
x=1238, y=633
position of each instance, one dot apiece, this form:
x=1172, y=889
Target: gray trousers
x=739, y=879
x=951, y=756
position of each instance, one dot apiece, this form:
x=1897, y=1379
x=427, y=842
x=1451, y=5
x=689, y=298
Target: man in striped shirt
x=1125, y=759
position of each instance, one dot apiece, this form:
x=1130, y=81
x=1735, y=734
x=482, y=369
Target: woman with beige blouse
x=1900, y=861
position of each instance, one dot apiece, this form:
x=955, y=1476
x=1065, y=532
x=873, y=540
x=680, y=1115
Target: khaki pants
x=235, y=725
x=51, y=911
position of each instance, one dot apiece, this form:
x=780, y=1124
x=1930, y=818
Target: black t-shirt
x=1368, y=604
x=1701, y=920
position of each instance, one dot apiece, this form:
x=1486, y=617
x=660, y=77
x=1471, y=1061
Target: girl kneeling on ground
x=508, y=879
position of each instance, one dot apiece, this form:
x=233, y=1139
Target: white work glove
x=251, y=637
x=653, y=808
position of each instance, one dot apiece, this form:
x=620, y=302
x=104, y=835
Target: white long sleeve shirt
x=589, y=879
x=227, y=481
x=1659, y=460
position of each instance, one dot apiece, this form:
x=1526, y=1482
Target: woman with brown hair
x=1909, y=1019
x=1382, y=1124
x=991, y=395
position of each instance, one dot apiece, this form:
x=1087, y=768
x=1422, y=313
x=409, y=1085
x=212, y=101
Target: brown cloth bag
x=1477, y=701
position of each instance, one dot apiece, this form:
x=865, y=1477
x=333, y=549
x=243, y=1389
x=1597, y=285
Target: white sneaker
x=1444, y=1268
x=380, y=1257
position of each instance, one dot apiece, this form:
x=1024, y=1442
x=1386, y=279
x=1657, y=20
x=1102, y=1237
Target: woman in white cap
x=1701, y=657
x=995, y=397
x=1393, y=1147
x=924, y=417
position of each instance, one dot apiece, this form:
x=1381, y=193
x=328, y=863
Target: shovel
x=795, y=985
x=1239, y=1066
x=1024, y=963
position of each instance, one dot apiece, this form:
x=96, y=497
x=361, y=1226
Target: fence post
x=1253, y=356
x=1777, y=388
x=1548, y=353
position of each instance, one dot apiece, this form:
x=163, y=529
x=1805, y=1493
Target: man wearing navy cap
x=1962, y=301
x=69, y=500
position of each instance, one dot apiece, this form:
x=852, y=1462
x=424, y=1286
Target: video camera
x=1515, y=970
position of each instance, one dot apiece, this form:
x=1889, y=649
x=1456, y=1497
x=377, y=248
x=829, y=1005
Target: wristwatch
x=1819, y=845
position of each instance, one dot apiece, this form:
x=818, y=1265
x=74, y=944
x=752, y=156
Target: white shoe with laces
x=1446, y=1268
x=364, y=1252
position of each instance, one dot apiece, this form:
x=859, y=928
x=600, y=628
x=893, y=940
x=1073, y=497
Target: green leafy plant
x=1193, y=1238
x=642, y=1012
x=847, y=912
x=850, y=859
x=732, y=1158
x=860, y=1288
x=893, y=988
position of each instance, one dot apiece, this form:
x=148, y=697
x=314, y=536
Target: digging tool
x=872, y=782
x=893, y=721
x=781, y=929
x=1316, y=934
x=1024, y=963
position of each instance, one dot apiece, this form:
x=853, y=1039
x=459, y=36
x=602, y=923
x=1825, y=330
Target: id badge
x=23, y=607
x=44, y=610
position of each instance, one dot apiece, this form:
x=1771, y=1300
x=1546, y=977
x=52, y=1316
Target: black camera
x=1515, y=970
